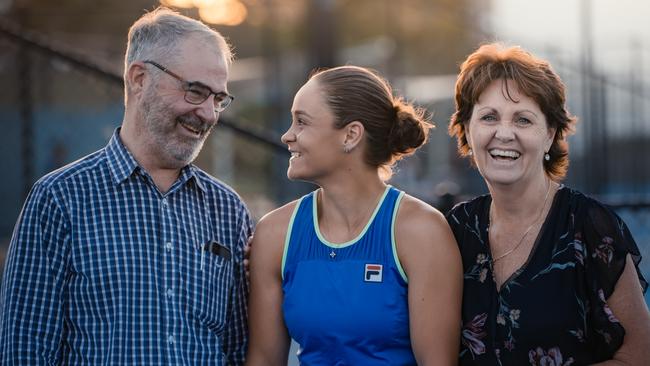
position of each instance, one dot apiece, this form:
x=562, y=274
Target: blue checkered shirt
x=103, y=269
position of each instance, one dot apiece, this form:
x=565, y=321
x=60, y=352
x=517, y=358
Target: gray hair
x=155, y=36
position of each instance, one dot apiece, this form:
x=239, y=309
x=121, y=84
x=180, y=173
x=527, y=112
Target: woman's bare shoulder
x=420, y=226
x=417, y=214
x=273, y=226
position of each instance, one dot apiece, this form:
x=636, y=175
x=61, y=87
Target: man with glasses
x=132, y=255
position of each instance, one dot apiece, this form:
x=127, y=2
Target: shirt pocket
x=209, y=284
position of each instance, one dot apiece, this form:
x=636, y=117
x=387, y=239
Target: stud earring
x=547, y=157
x=470, y=152
x=346, y=149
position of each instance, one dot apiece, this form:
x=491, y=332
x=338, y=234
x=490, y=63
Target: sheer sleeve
x=607, y=241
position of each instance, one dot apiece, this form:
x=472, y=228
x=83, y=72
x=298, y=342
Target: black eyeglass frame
x=222, y=99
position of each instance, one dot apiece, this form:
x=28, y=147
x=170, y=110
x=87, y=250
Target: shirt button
x=168, y=246
x=170, y=339
x=164, y=202
x=170, y=293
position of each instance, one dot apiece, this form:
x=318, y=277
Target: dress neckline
x=533, y=251
x=330, y=244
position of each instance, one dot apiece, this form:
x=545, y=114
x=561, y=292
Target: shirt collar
x=120, y=161
x=122, y=164
x=190, y=172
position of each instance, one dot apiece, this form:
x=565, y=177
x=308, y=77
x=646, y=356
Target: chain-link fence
x=56, y=107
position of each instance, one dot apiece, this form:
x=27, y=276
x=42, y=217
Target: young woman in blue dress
x=357, y=272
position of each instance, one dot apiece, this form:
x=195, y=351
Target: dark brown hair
x=534, y=77
x=393, y=127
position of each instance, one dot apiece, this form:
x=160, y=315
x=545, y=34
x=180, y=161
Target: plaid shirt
x=103, y=269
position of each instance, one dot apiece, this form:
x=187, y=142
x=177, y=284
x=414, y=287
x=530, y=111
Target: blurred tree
x=285, y=39
x=414, y=36
x=420, y=36
x=97, y=28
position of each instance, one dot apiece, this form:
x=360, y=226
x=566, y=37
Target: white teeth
x=505, y=153
x=295, y=154
x=191, y=129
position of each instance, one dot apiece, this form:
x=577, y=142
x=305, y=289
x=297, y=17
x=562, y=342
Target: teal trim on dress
x=287, y=238
x=392, y=238
x=350, y=242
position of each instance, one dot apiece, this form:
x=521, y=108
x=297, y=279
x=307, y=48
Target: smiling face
x=508, y=135
x=173, y=129
x=316, y=146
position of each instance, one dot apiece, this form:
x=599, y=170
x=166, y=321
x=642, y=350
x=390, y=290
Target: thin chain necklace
x=494, y=260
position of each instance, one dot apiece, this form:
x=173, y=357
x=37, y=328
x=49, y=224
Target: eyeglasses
x=196, y=92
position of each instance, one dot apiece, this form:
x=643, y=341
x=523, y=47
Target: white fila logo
x=373, y=273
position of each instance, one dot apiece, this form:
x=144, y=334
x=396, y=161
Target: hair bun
x=402, y=114
x=409, y=131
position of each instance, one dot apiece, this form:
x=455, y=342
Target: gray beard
x=173, y=151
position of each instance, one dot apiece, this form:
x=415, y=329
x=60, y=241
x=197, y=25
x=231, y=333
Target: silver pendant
x=332, y=254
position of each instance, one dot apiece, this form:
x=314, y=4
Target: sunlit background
x=62, y=97
x=217, y=12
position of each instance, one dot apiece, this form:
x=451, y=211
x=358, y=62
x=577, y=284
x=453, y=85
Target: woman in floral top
x=550, y=275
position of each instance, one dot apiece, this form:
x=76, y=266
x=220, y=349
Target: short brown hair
x=394, y=128
x=534, y=77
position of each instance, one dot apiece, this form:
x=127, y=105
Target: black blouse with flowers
x=554, y=308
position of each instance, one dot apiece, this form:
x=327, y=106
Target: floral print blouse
x=553, y=310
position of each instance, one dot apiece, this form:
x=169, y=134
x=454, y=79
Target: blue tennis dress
x=346, y=304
